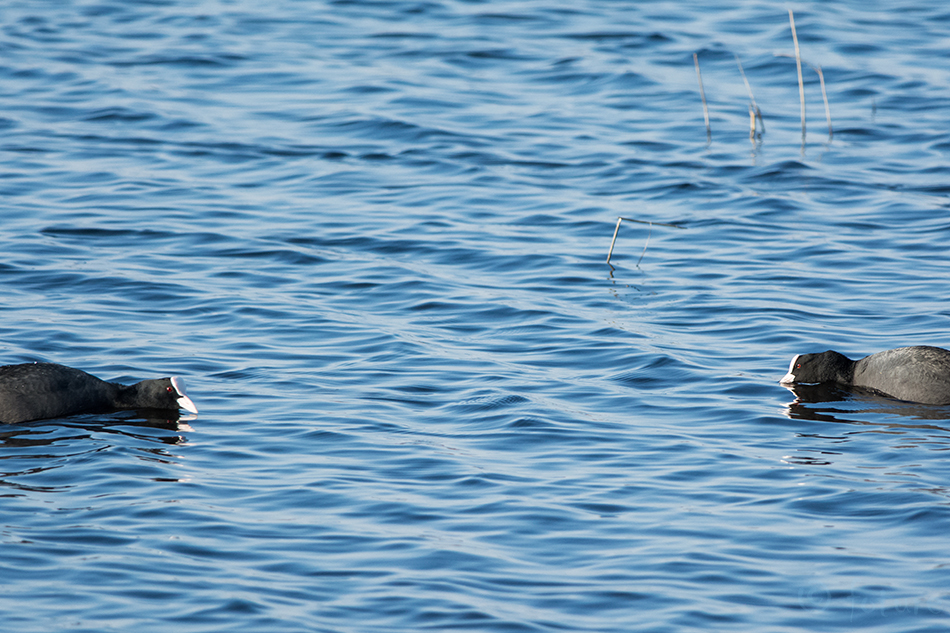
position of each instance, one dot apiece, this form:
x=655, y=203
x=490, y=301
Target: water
x=372, y=238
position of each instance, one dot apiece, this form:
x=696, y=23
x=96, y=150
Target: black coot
x=916, y=374
x=45, y=390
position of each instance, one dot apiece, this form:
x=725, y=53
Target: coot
x=36, y=391
x=917, y=374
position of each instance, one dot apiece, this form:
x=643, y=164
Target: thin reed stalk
x=614, y=240
x=824, y=95
x=617, y=230
x=754, y=108
x=798, y=62
x=702, y=94
x=645, y=244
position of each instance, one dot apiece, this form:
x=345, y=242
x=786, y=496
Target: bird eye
x=798, y=366
x=168, y=389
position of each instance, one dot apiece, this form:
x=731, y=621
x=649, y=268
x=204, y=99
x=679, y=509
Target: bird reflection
x=854, y=401
x=858, y=411
x=141, y=424
x=34, y=451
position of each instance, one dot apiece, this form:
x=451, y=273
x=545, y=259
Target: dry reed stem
x=824, y=96
x=614, y=240
x=651, y=223
x=756, y=113
x=798, y=62
x=617, y=229
x=824, y=92
x=645, y=244
x=702, y=94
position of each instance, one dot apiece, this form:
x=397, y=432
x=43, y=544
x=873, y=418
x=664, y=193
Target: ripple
x=427, y=401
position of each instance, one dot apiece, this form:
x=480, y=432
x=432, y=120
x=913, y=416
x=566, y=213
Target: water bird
x=36, y=391
x=920, y=373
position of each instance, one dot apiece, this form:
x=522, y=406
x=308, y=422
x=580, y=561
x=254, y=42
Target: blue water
x=372, y=238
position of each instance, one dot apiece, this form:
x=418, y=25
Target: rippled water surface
x=372, y=238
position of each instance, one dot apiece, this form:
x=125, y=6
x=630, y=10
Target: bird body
x=920, y=373
x=36, y=391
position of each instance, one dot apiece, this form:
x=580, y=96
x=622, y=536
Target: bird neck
x=124, y=396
